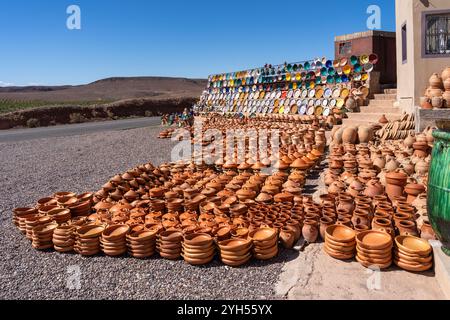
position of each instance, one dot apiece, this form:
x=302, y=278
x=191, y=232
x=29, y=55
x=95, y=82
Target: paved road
x=16, y=135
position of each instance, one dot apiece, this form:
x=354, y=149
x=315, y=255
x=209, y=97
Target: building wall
x=412, y=76
x=379, y=42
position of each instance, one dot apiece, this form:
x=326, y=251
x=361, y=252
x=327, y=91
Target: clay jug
x=436, y=81
x=310, y=231
x=383, y=224
x=349, y=135
x=437, y=102
x=422, y=167
x=361, y=217
x=287, y=237
x=407, y=228
x=296, y=228
x=427, y=232
x=364, y=134
x=409, y=141
x=346, y=203
x=325, y=222
x=445, y=74
x=379, y=162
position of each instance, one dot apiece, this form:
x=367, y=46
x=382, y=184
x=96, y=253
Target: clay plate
x=91, y=231
x=337, y=254
x=268, y=255
x=263, y=234
x=239, y=263
x=368, y=265
x=413, y=267
x=198, y=239
x=234, y=245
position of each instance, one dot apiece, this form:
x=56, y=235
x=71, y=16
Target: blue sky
x=168, y=38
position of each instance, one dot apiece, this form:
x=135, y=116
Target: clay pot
x=383, y=224
x=413, y=191
x=436, y=81
x=383, y=119
x=346, y=203
x=445, y=75
x=360, y=217
x=325, y=222
x=407, y=227
x=434, y=93
x=425, y=103
x=437, y=102
x=287, y=237
x=422, y=167
x=365, y=134
x=349, y=135
x=396, y=182
x=427, y=232
x=310, y=230
x=295, y=226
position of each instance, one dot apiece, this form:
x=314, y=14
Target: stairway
x=382, y=104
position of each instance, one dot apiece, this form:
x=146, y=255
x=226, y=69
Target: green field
x=15, y=105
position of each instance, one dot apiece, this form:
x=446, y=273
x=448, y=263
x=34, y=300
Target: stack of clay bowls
x=22, y=212
x=59, y=215
x=87, y=240
x=141, y=244
x=413, y=254
x=374, y=249
x=198, y=248
x=64, y=238
x=265, y=243
x=33, y=221
x=169, y=244
x=43, y=235
x=235, y=252
x=114, y=240
x=340, y=242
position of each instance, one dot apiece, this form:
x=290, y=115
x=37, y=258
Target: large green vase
x=439, y=189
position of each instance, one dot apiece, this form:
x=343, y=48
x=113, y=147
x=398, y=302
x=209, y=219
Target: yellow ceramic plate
x=319, y=93
x=344, y=93
x=340, y=103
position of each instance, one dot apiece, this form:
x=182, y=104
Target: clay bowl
x=110, y=244
x=223, y=233
x=263, y=235
x=169, y=245
x=197, y=249
x=171, y=236
x=44, y=230
x=198, y=240
x=203, y=255
x=63, y=244
x=375, y=261
x=235, y=257
x=412, y=260
x=266, y=255
x=169, y=256
x=236, y=263
x=115, y=232
x=374, y=240
x=199, y=261
x=339, y=248
x=235, y=245
x=340, y=233
x=90, y=231
x=338, y=254
x=413, y=245
x=264, y=250
x=63, y=194
x=141, y=236
x=341, y=244
x=63, y=249
x=63, y=231
x=413, y=267
x=367, y=264
x=241, y=233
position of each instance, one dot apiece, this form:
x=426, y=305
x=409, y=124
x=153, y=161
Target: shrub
x=76, y=118
x=33, y=123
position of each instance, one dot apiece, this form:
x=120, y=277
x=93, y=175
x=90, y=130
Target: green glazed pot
x=439, y=189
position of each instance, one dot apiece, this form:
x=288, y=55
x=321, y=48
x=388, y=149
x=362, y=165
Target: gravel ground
x=38, y=168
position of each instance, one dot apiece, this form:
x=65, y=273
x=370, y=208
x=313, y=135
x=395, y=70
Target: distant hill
x=111, y=89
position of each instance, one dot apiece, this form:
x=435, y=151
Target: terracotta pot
x=413, y=190
x=437, y=102
x=310, y=230
x=296, y=227
x=427, y=232
x=383, y=224
x=396, y=182
x=365, y=134
x=436, y=81
x=407, y=228
x=445, y=75
x=346, y=203
x=361, y=217
x=325, y=222
x=287, y=237
x=425, y=103
x=349, y=135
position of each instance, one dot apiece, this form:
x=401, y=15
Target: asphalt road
x=16, y=135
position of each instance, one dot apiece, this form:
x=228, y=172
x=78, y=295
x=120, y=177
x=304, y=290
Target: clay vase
x=413, y=190
x=409, y=141
x=346, y=203
x=425, y=103
x=383, y=224
x=445, y=74
x=360, y=217
x=437, y=102
x=349, y=135
x=374, y=188
x=407, y=228
x=395, y=183
x=447, y=84
x=379, y=163
x=422, y=167
x=310, y=230
x=296, y=228
x=446, y=97
x=325, y=222
x=427, y=232
x=287, y=237
x=365, y=134
x=436, y=81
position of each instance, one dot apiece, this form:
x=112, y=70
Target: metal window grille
x=437, y=37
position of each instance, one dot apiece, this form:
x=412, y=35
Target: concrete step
x=390, y=91
x=380, y=109
x=381, y=103
x=373, y=117
x=352, y=122
x=385, y=96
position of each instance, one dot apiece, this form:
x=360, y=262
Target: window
x=437, y=34
x=404, y=44
x=345, y=48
